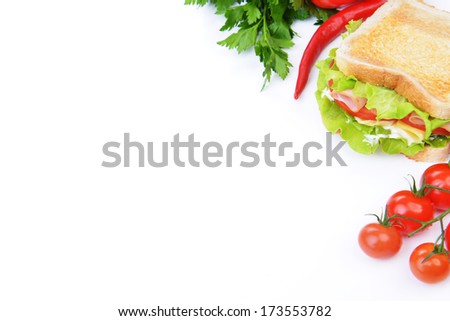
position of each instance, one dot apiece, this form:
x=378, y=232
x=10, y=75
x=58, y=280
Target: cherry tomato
x=406, y=203
x=434, y=269
x=447, y=237
x=438, y=175
x=333, y=4
x=379, y=241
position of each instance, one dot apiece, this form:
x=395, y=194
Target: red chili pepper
x=327, y=32
x=333, y=4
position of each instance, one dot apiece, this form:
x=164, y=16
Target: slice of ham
x=353, y=102
x=414, y=120
x=446, y=127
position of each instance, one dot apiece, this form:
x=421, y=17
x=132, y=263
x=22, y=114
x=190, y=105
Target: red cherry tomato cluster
x=408, y=213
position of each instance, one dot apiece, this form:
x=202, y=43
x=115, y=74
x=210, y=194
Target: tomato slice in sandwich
x=441, y=131
x=363, y=113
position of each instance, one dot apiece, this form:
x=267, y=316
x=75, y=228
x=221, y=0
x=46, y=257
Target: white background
x=78, y=241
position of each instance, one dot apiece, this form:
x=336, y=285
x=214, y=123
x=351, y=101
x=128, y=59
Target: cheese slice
x=398, y=130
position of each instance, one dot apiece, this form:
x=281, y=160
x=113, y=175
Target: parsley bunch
x=264, y=25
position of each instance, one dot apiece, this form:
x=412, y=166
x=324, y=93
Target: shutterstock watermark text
x=185, y=152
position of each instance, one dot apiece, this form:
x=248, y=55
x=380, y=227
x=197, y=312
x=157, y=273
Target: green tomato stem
x=426, y=223
x=440, y=247
x=428, y=186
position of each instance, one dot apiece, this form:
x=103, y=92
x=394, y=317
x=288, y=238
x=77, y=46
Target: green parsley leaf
x=253, y=13
x=198, y=2
x=265, y=26
x=234, y=16
x=242, y=40
x=301, y=14
x=223, y=5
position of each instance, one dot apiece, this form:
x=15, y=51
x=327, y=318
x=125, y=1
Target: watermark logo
x=189, y=152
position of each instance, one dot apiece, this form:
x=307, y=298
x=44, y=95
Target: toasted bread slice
x=405, y=46
x=433, y=155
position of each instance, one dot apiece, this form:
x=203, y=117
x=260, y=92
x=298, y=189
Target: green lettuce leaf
x=351, y=27
x=438, y=141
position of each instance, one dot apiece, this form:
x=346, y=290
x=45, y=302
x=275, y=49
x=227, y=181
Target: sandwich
x=388, y=85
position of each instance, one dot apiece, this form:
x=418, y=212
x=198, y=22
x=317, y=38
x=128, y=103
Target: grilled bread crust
x=433, y=155
x=405, y=46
